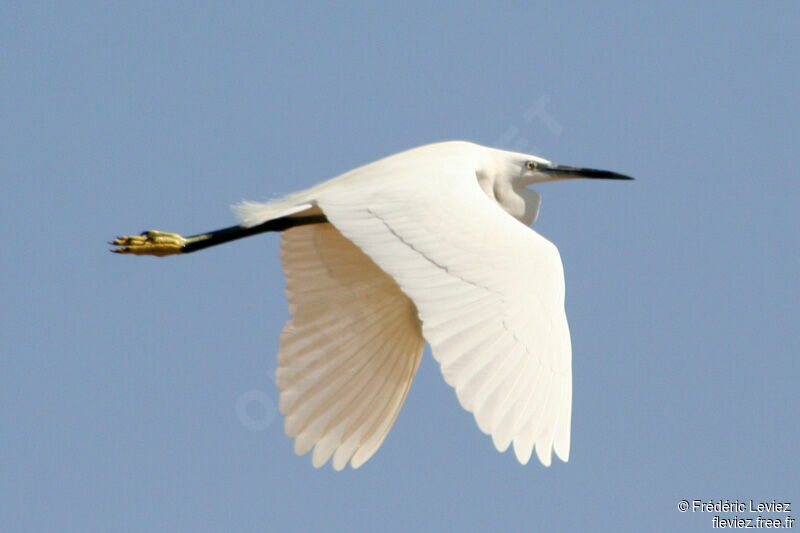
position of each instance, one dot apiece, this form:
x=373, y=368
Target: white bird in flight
x=431, y=244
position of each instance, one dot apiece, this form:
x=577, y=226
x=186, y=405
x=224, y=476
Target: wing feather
x=489, y=291
x=348, y=356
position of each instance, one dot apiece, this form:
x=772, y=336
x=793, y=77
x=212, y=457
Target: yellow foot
x=158, y=243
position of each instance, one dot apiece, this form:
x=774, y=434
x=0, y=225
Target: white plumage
x=426, y=245
x=349, y=353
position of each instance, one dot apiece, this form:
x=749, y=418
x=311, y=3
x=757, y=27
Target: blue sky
x=137, y=393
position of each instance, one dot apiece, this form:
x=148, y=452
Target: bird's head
x=505, y=175
x=529, y=169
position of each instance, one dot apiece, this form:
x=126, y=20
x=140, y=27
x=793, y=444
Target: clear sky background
x=137, y=394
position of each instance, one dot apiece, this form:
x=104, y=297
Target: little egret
x=431, y=244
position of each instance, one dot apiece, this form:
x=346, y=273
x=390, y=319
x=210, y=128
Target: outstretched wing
x=490, y=293
x=350, y=352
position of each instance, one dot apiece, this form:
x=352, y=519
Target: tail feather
x=255, y=213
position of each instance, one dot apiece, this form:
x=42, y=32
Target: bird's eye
x=531, y=165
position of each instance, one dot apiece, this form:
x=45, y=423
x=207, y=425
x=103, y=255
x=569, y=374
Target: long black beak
x=564, y=171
